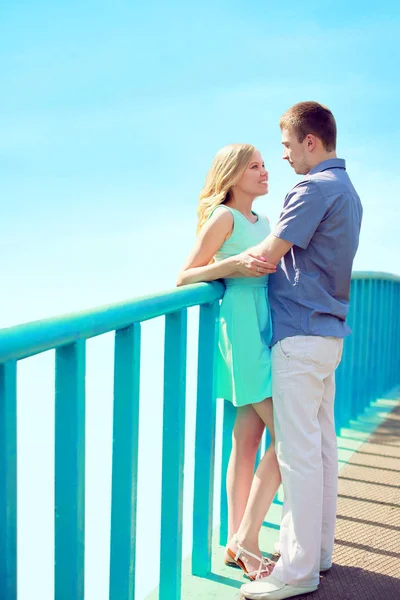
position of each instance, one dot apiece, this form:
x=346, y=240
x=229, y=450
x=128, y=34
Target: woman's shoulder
x=222, y=213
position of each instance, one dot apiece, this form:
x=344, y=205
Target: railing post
x=70, y=472
x=348, y=361
x=262, y=448
x=356, y=348
x=8, y=481
x=394, y=338
x=173, y=451
x=227, y=428
x=374, y=340
x=205, y=441
x=396, y=333
x=397, y=351
x=125, y=463
x=390, y=349
x=367, y=344
x=380, y=338
x=340, y=394
x=383, y=331
x=362, y=345
x=386, y=332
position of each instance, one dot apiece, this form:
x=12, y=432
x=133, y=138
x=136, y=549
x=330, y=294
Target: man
x=316, y=237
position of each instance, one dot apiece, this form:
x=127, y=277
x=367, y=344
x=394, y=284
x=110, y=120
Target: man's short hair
x=311, y=117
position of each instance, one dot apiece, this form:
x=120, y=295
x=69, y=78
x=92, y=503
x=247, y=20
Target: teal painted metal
x=375, y=275
x=227, y=427
x=395, y=325
x=355, y=355
x=371, y=357
x=125, y=462
x=8, y=481
x=259, y=455
x=32, y=338
x=267, y=440
x=370, y=366
x=173, y=455
x=359, y=404
x=388, y=330
x=70, y=472
x=263, y=447
x=374, y=335
x=366, y=381
x=383, y=340
x=205, y=441
x=67, y=334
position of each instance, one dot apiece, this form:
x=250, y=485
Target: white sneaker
x=270, y=588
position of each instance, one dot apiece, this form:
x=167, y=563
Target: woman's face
x=254, y=180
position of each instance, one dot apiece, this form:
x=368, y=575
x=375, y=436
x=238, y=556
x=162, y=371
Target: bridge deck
x=367, y=549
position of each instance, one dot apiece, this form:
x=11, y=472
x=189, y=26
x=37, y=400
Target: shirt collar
x=332, y=163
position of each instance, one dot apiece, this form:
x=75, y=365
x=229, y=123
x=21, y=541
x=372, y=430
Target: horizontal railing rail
x=67, y=335
x=375, y=275
x=22, y=341
x=370, y=366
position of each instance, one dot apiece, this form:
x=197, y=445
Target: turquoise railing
x=370, y=366
x=371, y=356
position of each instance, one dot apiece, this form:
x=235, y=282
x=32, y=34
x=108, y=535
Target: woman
x=227, y=226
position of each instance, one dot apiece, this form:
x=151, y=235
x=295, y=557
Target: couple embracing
x=281, y=329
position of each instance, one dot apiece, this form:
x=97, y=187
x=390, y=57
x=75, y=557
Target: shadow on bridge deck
x=367, y=549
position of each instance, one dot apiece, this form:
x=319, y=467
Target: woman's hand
x=253, y=265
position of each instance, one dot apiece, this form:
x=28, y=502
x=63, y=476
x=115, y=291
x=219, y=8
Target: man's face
x=295, y=152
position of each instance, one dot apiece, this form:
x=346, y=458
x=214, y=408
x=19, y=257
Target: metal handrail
x=375, y=275
x=22, y=341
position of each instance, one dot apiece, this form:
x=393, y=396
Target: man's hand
x=253, y=265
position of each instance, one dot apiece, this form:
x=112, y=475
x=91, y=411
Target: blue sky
x=110, y=114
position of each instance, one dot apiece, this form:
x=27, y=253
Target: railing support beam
x=8, y=481
x=205, y=442
x=125, y=463
x=70, y=472
x=173, y=455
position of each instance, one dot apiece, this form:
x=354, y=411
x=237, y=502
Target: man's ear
x=311, y=142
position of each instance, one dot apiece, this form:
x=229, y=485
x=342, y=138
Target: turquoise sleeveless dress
x=243, y=366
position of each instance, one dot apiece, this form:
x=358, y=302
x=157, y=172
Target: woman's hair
x=228, y=166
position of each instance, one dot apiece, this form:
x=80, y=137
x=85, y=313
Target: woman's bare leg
x=246, y=437
x=263, y=489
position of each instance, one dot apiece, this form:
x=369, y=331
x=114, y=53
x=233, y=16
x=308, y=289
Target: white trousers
x=303, y=391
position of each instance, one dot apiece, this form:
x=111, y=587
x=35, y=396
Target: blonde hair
x=228, y=166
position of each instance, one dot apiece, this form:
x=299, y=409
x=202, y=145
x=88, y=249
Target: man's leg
x=330, y=465
x=300, y=366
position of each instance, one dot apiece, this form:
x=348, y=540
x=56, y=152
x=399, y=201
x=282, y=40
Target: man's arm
x=302, y=212
x=272, y=249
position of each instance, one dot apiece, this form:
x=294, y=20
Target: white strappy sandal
x=265, y=567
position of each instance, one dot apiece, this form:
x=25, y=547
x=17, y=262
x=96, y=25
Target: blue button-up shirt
x=321, y=216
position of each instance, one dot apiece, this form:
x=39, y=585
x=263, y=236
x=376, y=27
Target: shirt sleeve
x=303, y=211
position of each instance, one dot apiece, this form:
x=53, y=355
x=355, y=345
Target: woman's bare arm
x=198, y=266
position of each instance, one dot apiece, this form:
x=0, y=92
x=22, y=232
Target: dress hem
x=247, y=403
